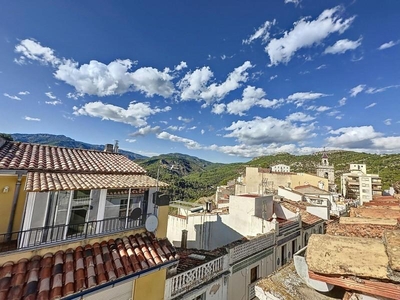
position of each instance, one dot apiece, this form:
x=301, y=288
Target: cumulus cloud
x=268, y=130
x=299, y=117
x=388, y=45
x=261, y=33
x=251, y=96
x=353, y=137
x=371, y=105
x=136, y=114
x=146, y=130
x=357, y=89
x=12, y=97
x=342, y=46
x=300, y=97
x=24, y=93
x=188, y=143
x=97, y=78
x=194, y=86
x=130, y=140
x=30, y=49
x=31, y=119
x=55, y=102
x=273, y=77
x=218, y=108
x=306, y=33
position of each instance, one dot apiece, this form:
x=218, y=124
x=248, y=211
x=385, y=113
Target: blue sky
x=224, y=81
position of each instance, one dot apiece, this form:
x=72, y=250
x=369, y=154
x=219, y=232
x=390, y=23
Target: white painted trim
x=101, y=209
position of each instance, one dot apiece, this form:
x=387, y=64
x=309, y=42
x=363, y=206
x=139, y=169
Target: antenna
x=116, y=147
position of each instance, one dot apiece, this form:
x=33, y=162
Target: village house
x=80, y=224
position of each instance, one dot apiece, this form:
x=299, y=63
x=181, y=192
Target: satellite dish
x=151, y=223
x=136, y=213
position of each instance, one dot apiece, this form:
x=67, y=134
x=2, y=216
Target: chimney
x=116, y=147
x=109, y=148
x=184, y=239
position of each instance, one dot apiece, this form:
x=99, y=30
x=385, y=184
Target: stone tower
x=327, y=171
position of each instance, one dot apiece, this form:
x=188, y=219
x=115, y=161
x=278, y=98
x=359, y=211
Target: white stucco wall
x=238, y=286
x=319, y=211
x=282, y=192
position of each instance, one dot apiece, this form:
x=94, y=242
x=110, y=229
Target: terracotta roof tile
x=40, y=182
x=64, y=273
x=24, y=156
x=306, y=218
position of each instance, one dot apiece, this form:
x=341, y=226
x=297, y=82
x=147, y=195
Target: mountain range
x=191, y=178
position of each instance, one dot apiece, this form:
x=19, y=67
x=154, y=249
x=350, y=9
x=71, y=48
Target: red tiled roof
x=34, y=157
x=40, y=181
x=306, y=218
x=64, y=273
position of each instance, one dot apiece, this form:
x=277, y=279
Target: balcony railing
x=36, y=237
x=184, y=282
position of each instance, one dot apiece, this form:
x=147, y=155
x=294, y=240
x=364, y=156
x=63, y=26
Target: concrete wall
x=288, y=194
x=239, y=281
x=253, y=180
x=216, y=290
x=319, y=211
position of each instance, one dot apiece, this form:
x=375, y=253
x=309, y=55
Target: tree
x=6, y=136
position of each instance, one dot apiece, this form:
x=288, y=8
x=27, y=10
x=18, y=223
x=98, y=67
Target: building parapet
x=186, y=281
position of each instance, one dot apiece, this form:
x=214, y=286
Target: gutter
x=112, y=284
x=14, y=203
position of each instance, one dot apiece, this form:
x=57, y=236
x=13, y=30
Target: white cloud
x=186, y=120
x=218, y=108
x=136, y=114
x=190, y=144
x=321, y=108
x=261, y=33
x=146, y=130
x=181, y=66
x=252, y=96
x=357, y=89
x=307, y=33
x=300, y=97
x=97, y=78
x=380, y=90
x=273, y=77
x=32, y=50
x=299, y=117
x=371, y=105
x=173, y=128
x=192, y=128
x=388, y=45
x=388, y=122
x=342, y=46
x=24, y=93
x=12, y=97
x=194, y=84
x=55, y=102
x=202, y=131
x=321, y=67
x=333, y=113
x=130, y=140
x=342, y=101
x=353, y=137
x=50, y=95
x=31, y=119
x=295, y=2
x=268, y=130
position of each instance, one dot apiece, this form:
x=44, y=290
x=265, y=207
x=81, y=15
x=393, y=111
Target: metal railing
x=36, y=237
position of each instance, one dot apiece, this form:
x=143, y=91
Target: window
x=200, y=297
x=253, y=274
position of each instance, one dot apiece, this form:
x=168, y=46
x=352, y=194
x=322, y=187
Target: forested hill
x=64, y=141
x=190, y=178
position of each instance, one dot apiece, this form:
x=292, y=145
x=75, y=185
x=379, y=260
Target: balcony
x=186, y=281
x=45, y=236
